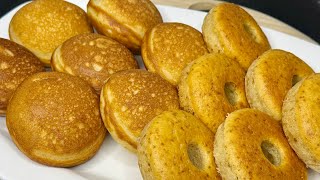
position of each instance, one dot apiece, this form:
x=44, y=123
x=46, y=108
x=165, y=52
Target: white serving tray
x=113, y=161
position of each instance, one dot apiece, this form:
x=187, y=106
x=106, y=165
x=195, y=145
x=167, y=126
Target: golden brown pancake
x=169, y=47
x=92, y=57
x=132, y=98
x=54, y=119
x=211, y=87
x=124, y=20
x=176, y=145
x=301, y=120
x=229, y=29
x=42, y=25
x=252, y=145
x=16, y=63
x=270, y=77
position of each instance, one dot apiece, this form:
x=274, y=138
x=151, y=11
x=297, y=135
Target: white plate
x=112, y=161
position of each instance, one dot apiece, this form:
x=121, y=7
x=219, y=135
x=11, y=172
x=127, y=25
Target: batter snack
x=42, y=25
x=93, y=58
x=211, y=87
x=169, y=47
x=251, y=145
x=229, y=29
x=176, y=145
x=16, y=63
x=132, y=98
x=54, y=119
x=270, y=77
x=124, y=20
x=301, y=120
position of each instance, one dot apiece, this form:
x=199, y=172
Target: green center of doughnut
x=295, y=79
x=271, y=153
x=195, y=155
x=230, y=92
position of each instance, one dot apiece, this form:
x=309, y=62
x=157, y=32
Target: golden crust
x=93, y=58
x=176, y=145
x=42, y=25
x=241, y=144
x=130, y=99
x=145, y=52
x=301, y=120
x=270, y=77
x=59, y=123
x=203, y=89
x=169, y=47
x=16, y=63
x=229, y=29
x=124, y=20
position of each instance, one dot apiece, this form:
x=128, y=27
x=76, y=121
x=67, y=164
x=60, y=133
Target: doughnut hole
x=196, y=156
x=296, y=79
x=230, y=93
x=253, y=33
x=271, y=152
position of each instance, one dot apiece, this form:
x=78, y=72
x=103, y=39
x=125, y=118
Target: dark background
x=304, y=15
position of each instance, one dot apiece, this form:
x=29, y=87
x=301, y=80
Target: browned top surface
x=171, y=46
x=272, y=77
x=135, y=97
x=43, y=25
x=206, y=82
x=137, y=15
x=244, y=131
x=54, y=113
x=16, y=63
x=307, y=114
x=240, y=36
x=163, y=150
x=93, y=57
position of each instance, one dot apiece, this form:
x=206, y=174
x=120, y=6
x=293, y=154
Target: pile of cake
x=216, y=104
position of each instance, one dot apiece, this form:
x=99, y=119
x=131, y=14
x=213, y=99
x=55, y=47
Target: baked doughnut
x=42, y=25
x=130, y=99
x=301, y=120
x=59, y=123
x=270, y=77
x=211, y=87
x=229, y=29
x=124, y=20
x=16, y=63
x=169, y=47
x=251, y=145
x=92, y=57
x=176, y=145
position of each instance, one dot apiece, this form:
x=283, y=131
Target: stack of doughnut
x=220, y=104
